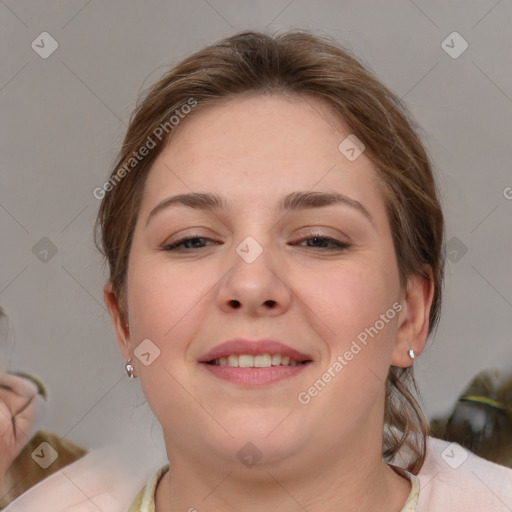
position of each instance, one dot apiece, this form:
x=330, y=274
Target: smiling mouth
x=257, y=361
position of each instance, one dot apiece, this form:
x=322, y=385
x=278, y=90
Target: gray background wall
x=63, y=118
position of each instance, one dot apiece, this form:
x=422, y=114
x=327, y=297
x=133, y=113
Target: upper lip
x=253, y=347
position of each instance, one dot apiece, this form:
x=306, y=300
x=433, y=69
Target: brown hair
x=301, y=63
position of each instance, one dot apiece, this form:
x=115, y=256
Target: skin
x=322, y=456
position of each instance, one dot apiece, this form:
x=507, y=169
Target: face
x=321, y=279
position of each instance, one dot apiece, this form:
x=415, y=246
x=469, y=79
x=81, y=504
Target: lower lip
x=254, y=376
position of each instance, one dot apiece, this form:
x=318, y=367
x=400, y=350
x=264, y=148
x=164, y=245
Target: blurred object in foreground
x=481, y=420
x=25, y=459
x=6, y=341
x=25, y=471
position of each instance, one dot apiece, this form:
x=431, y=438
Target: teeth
x=262, y=361
x=232, y=361
x=245, y=361
x=259, y=361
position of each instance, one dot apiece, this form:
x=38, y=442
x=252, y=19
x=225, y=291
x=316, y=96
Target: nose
x=257, y=287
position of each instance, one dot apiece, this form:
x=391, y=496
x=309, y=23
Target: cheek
x=161, y=297
x=164, y=304
x=347, y=308
x=352, y=311
x=344, y=301
x=348, y=387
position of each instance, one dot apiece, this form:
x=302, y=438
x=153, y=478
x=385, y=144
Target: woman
x=275, y=245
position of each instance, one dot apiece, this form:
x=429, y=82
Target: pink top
x=451, y=480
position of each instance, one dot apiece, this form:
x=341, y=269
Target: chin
x=269, y=441
x=261, y=452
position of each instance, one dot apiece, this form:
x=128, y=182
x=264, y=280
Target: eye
x=190, y=241
x=325, y=242
x=193, y=241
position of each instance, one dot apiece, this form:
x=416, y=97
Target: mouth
x=256, y=361
x=254, y=353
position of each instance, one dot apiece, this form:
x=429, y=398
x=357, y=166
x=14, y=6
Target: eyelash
x=336, y=245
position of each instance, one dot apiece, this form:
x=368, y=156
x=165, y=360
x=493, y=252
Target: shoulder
x=452, y=478
x=106, y=478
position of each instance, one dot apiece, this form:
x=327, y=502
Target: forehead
x=261, y=147
x=252, y=126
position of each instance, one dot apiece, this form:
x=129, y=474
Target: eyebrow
x=292, y=202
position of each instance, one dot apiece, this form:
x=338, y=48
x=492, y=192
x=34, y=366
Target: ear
x=118, y=319
x=413, y=322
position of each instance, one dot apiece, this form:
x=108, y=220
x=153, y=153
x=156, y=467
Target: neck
x=346, y=481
